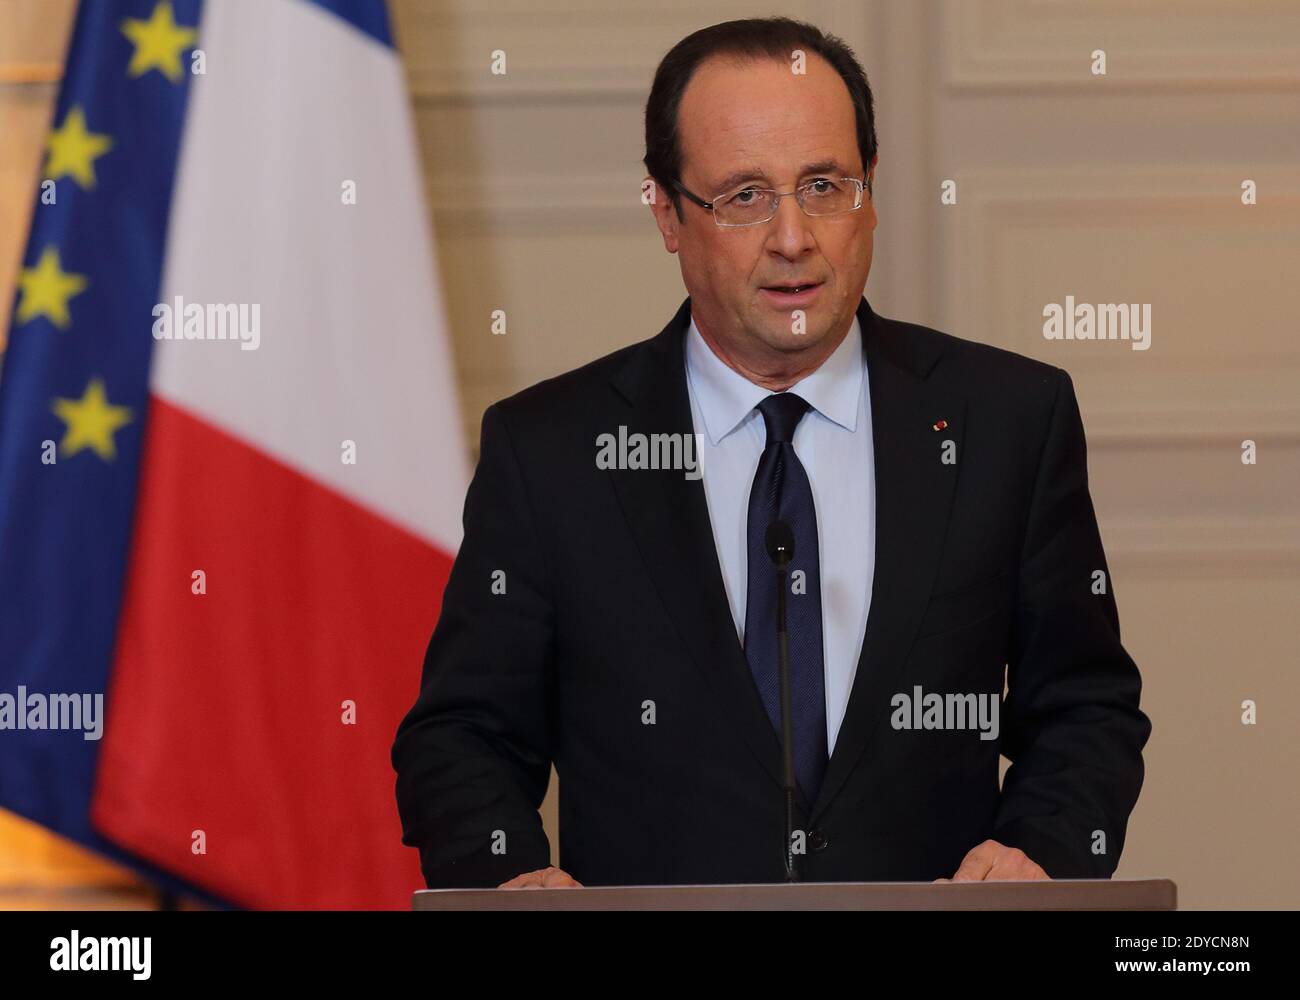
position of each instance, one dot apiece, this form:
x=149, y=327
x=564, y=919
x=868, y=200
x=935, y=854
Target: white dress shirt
x=834, y=443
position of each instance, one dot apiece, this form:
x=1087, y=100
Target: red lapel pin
x=940, y=425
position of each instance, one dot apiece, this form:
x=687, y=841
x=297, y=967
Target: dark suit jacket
x=614, y=598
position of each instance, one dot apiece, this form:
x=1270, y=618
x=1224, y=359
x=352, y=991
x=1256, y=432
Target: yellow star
x=158, y=43
x=45, y=290
x=73, y=150
x=91, y=421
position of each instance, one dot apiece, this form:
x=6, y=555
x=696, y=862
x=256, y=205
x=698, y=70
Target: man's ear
x=664, y=214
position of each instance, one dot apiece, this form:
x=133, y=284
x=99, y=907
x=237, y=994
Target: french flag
x=231, y=464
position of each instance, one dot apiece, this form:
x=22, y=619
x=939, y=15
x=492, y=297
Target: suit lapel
x=914, y=491
x=669, y=517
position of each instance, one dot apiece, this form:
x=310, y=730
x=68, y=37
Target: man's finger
x=1012, y=865
x=543, y=878
x=558, y=878
x=976, y=864
x=525, y=880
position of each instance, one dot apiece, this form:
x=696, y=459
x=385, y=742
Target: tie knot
x=782, y=412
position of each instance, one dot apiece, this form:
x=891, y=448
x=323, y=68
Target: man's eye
x=739, y=197
x=812, y=186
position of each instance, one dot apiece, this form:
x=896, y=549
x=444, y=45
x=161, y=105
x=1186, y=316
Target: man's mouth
x=791, y=288
x=788, y=296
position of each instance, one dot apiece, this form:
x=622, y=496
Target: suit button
x=817, y=840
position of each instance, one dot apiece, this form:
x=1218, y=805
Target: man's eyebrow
x=744, y=176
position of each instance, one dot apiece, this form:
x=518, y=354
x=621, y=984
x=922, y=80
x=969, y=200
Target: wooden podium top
x=1060, y=894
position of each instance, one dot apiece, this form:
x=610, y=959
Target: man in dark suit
x=613, y=613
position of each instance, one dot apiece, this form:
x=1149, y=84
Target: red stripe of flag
x=225, y=709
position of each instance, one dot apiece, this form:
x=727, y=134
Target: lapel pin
x=940, y=425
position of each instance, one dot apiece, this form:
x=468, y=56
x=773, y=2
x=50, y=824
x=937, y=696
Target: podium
x=1063, y=894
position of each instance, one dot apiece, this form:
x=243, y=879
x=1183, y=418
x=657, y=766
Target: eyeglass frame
x=862, y=184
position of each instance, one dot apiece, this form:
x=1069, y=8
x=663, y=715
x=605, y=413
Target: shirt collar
x=726, y=397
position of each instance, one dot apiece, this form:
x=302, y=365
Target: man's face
x=758, y=118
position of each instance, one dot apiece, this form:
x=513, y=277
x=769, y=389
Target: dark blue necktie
x=781, y=489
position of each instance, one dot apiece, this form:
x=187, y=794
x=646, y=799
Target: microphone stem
x=787, y=724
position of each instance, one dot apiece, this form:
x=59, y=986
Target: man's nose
x=791, y=234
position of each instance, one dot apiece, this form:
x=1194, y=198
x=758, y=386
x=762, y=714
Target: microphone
x=779, y=541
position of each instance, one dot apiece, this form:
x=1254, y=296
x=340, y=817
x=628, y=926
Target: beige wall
x=1117, y=188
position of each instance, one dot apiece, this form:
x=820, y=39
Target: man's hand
x=994, y=862
x=543, y=878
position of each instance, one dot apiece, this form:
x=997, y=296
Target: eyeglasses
x=751, y=206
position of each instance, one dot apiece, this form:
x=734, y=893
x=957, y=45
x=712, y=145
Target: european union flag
x=74, y=398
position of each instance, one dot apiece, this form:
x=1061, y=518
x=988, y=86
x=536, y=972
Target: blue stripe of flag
x=367, y=16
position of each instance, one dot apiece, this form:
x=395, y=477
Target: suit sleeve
x=1071, y=724
x=473, y=755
